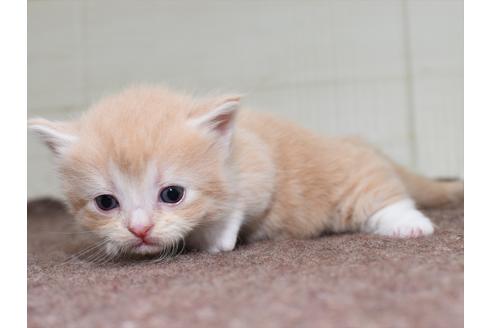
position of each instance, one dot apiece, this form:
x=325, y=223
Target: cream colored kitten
x=148, y=167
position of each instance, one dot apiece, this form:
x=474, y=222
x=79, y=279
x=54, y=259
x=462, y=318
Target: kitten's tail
x=429, y=192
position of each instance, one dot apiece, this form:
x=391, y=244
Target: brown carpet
x=350, y=280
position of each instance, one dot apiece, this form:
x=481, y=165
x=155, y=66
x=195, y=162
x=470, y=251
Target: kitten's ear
x=58, y=136
x=220, y=119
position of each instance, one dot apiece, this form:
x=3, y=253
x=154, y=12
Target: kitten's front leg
x=220, y=236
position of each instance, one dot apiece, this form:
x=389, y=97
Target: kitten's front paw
x=221, y=247
x=400, y=220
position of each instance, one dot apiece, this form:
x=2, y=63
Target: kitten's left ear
x=58, y=136
x=220, y=119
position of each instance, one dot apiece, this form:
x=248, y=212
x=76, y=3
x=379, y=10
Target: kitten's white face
x=144, y=168
x=143, y=214
x=149, y=209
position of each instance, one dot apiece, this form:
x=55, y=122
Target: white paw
x=213, y=250
x=225, y=236
x=224, y=246
x=400, y=220
x=217, y=250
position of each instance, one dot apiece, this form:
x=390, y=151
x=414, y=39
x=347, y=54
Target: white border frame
x=13, y=83
x=478, y=163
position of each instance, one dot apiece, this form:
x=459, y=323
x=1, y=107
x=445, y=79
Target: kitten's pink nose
x=140, y=231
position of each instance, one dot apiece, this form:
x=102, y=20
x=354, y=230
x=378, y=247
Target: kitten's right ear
x=58, y=136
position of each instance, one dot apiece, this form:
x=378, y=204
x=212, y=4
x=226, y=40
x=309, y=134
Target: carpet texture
x=349, y=280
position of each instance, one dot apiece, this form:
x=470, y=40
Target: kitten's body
x=248, y=173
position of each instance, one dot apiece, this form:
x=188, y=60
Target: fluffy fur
x=244, y=173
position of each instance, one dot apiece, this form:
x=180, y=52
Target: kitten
x=148, y=167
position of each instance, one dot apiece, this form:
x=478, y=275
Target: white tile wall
x=436, y=29
x=55, y=56
x=388, y=70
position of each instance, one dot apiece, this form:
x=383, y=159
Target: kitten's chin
x=118, y=250
x=145, y=249
x=151, y=248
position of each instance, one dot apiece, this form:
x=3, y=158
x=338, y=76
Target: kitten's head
x=145, y=167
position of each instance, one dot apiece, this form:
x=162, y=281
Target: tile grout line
x=85, y=51
x=410, y=92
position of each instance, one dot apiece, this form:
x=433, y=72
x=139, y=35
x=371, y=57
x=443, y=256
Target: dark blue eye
x=172, y=194
x=106, y=202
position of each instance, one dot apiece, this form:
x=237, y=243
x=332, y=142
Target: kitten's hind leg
x=400, y=219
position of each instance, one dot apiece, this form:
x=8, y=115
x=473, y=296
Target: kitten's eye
x=106, y=202
x=172, y=194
